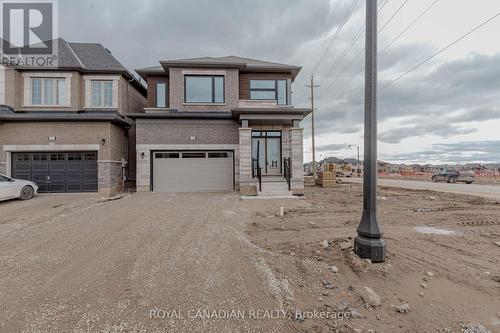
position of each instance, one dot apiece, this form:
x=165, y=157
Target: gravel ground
x=442, y=273
x=142, y=263
x=485, y=191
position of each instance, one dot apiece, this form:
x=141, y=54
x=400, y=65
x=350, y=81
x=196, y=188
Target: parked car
x=11, y=188
x=453, y=176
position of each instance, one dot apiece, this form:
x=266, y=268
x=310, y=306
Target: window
x=167, y=155
x=48, y=91
x=36, y=91
x=39, y=157
x=193, y=155
x=269, y=90
x=256, y=134
x=218, y=155
x=102, y=93
x=57, y=157
x=74, y=157
x=4, y=179
x=203, y=89
x=92, y=156
x=161, y=95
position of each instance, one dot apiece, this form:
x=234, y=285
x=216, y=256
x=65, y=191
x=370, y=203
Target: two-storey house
x=220, y=124
x=65, y=128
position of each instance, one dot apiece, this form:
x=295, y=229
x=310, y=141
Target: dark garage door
x=57, y=172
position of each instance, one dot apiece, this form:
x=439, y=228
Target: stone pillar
x=110, y=177
x=143, y=167
x=297, y=156
x=247, y=185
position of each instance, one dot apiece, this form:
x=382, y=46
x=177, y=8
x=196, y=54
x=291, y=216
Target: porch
x=271, y=152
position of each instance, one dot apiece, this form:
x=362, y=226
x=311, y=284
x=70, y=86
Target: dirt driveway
x=143, y=263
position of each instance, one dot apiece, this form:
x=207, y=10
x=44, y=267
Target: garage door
x=57, y=172
x=192, y=171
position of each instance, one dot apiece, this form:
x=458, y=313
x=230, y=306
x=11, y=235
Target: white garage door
x=192, y=171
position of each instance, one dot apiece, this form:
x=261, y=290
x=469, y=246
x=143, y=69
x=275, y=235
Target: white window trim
x=88, y=90
x=27, y=76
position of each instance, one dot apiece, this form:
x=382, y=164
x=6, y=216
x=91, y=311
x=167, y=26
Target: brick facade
x=159, y=131
x=176, y=91
x=72, y=136
x=152, y=81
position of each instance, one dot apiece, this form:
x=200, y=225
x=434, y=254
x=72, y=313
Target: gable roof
x=87, y=57
x=241, y=63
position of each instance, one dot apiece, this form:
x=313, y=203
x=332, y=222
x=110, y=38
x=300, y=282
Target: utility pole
x=369, y=243
x=312, y=86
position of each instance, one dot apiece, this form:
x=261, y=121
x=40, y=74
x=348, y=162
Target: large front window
x=102, y=93
x=269, y=90
x=48, y=91
x=204, y=89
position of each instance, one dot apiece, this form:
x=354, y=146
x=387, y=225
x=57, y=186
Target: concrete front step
x=277, y=188
x=273, y=180
x=276, y=194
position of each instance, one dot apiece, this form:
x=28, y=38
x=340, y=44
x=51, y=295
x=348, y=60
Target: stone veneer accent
x=296, y=154
x=247, y=185
x=110, y=177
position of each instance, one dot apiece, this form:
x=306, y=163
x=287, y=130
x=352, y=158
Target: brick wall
x=72, y=133
x=180, y=131
x=152, y=80
x=176, y=91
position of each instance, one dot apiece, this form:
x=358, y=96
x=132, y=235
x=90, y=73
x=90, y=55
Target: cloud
x=331, y=147
x=443, y=100
x=461, y=152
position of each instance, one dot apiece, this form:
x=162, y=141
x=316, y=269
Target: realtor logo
x=29, y=31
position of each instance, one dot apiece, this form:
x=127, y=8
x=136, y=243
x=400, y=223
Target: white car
x=11, y=188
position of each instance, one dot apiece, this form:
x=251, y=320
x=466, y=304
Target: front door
x=268, y=145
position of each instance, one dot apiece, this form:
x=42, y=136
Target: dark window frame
x=166, y=94
x=275, y=90
x=213, y=88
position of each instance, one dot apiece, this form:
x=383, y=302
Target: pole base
x=370, y=248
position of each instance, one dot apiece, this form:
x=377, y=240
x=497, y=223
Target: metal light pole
x=369, y=243
x=358, y=169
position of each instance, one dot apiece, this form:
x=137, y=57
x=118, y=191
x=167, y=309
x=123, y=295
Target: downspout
x=127, y=108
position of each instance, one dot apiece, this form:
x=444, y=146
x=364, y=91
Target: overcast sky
x=446, y=111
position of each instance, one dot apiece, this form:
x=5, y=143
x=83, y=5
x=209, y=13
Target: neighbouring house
x=211, y=124
x=66, y=128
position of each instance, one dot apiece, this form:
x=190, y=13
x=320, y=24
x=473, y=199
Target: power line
x=336, y=34
x=408, y=27
x=346, y=69
x=346, y=50
x=383, y=5
x=439, y=52
x=390, y=44
x=351, y=45
x=393, y=15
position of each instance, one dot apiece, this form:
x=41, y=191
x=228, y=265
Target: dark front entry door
x=269, y=146
x=57, y=172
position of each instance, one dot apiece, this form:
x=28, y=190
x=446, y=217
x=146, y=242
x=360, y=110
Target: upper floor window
x=269, y=90
x=161, y=94
x=204, y=89
x=48, y=91
x=102, y=93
